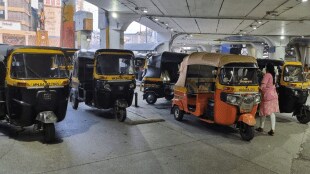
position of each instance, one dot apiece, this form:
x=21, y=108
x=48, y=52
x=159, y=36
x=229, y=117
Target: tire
x=121, y=115
x=169, y=97
x=177, y=113
x=246, y=132
x=151, y=98
x=303, y=118
x=74, y=102
x=49, y=132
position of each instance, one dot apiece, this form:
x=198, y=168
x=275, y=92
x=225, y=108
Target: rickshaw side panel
x=179, y=100
x=224, y=113
x=288, y=102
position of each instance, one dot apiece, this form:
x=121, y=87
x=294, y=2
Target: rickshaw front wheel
x=246, y=132
x=121, y=114
x=178, y=114
x=49, y=132
x=151, y=98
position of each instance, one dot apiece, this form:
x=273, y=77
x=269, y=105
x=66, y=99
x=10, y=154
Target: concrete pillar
x=279, y=46
x=112, y=28
x=67, y=33
x=206, y=48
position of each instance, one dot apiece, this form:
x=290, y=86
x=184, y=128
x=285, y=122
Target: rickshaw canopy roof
x=216, y=59
x=166, y=56
x=5, y=50
x=84, y=54
x=211, y=59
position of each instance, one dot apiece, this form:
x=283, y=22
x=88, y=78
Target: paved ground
x=92, y=141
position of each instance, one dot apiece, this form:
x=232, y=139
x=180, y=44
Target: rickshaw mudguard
x=248, y=119
x=47, y=117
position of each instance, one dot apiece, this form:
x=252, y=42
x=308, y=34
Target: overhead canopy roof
x=270, y=17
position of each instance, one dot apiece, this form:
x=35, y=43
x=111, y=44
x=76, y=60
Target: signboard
x=54, y=3
x=10, y=25
x=53, y=20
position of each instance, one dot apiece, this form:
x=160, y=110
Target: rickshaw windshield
x=38, y=66
x=239, y=75
x=114, y=64
x=293, y=74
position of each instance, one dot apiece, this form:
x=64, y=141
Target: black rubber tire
x=74, y=102
x=177, y=113
x=303, y=119
x=121, y=115
x=246, y=132
x=49, y=132
x=169, y=97
x=151, y=98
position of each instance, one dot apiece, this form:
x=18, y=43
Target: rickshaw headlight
x=107, y=87
x=132, y=85
x=231, y=99
x=257, y=99
x=295, y=92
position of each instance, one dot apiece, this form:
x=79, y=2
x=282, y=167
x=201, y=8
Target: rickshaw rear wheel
x=246, y=132
x=303, y=118
x=74, y=102
x=121, y=115
x=177, y=113
x=151, y=98
x=49, y=132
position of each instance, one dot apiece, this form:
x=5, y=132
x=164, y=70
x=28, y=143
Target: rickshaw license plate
x=121, y=88
x=47, y=96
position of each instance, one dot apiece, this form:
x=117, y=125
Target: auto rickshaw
x=35, y=88
x=293, y=92
x=218, y=88
x=161, y=74
x=105, y=80
x=140, y=61
x=69, y=52
x=292, y=88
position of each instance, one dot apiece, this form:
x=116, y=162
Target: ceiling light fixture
x=254, y=27
x=156, y=19
x=145, y=10
x=114, y=15
x=171, y=29
x=304, y=0
x=282, y=37
x=302, y=36
x=259, y=22
x=166, y=24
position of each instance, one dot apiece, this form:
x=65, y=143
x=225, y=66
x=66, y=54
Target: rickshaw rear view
x=104, y=80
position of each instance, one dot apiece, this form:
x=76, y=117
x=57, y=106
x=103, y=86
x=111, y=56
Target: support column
x=279, y=46
x=67, y=30
x=112, y=28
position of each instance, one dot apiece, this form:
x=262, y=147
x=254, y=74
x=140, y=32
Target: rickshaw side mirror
x=214, y=72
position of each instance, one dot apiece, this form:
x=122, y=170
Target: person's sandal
x=259, y=129
x=271, y=132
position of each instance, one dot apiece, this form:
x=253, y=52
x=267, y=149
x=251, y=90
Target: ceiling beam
x=228, y=17
x=227, y=34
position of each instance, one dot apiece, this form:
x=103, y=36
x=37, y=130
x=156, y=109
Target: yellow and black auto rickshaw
x=104, y=79
x=220, y=89
x=292, y=88
x=35, y=88
x=161, y=74
x=293, y=91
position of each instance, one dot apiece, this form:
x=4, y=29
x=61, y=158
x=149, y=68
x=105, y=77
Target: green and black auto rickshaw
x=162, y=72
x=34, y=88
x=104, y=79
